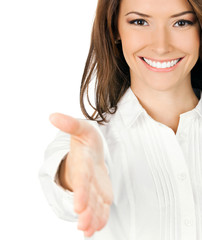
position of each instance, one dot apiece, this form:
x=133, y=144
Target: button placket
x=182, y=128
x=183, y=183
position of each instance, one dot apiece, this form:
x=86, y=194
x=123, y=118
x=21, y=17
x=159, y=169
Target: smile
x=161, y=65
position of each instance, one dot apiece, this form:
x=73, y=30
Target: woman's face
x=160, y=41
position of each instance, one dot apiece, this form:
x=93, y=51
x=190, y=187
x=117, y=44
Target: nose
x=161, y=41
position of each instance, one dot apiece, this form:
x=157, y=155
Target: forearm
x=63, y=174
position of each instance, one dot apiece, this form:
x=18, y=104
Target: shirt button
x=182, y=176
x=188, y=222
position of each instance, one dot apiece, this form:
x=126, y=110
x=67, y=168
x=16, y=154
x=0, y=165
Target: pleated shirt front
x=156, y=175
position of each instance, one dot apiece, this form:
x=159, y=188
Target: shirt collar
x=198, y=108
x=130, y=108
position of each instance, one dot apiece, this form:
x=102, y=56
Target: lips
x=161, y=65
x=165, y=60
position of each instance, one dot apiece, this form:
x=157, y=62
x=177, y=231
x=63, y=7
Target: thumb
x=67, y=124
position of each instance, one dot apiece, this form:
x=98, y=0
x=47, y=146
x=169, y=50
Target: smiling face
x=160, y=41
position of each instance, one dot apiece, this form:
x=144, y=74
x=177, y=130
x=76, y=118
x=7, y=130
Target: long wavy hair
x=106, y=64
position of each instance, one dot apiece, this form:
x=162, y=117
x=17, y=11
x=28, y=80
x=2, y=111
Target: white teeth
x=161, y=64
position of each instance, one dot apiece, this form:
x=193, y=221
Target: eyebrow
x=173, y=16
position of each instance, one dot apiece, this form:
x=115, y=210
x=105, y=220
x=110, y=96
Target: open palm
x=85, y=171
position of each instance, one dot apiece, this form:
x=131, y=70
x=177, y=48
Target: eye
x=184, y=23
x=139, y=22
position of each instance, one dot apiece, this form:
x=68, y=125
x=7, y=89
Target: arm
x=88, y=175
x=60, y=199
x=63, y=174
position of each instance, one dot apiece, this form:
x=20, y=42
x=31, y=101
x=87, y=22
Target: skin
x=84, y=172
x=164, y=95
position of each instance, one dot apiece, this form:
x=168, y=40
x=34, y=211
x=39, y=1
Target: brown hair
x=106, y=62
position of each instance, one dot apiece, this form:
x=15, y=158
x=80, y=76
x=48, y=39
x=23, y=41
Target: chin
x=161, y=85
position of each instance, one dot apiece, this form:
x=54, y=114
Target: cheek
x=133, y=42
x=196, y=42
x=188, y=43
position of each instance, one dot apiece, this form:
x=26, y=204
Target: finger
x=69, y=124
x=92, y=200
x=85, y=219
x=65, y=123
x=89, y=232
x=80, y=199
x=98, y=213
x=104, y=187
x=104, y=217
x=81, y=185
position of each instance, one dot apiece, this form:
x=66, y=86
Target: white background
x=43, y=49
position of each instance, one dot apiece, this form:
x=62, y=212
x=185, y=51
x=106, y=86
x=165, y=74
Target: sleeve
x=60, y=199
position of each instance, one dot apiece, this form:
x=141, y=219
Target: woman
x=135, y=171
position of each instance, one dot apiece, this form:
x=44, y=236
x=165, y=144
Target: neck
x=166, y=106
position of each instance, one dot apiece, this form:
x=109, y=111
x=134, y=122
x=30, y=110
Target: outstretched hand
x=86, y=172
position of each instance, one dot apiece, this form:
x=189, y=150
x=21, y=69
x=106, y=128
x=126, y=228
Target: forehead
x=156, y=6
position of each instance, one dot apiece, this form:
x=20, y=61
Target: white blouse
x=156, y=175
